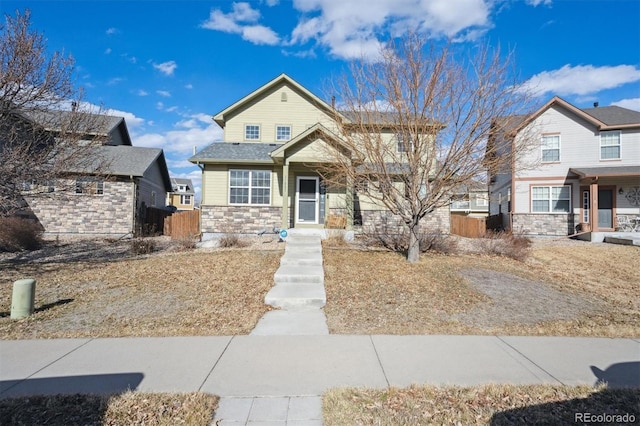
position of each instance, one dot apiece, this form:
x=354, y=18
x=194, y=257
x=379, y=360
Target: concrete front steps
x=298, y=291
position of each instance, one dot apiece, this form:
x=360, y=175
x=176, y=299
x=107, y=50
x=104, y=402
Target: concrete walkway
x=267, y=374
x=298, y=292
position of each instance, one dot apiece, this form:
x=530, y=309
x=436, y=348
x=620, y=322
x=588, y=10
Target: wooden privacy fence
x=185, y=224
x=468, y=226
x=182, y=224
x=475, y=227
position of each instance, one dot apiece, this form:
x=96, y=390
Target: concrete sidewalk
x=281, y=378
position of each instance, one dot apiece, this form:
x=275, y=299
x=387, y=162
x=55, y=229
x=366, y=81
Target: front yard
x=101, y=290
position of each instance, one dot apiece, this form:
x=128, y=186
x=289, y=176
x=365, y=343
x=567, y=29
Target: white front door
x=307, y=199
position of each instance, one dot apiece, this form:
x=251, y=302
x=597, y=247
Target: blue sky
x=169, y=66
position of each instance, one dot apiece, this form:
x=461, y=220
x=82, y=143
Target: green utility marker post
x=23, y=298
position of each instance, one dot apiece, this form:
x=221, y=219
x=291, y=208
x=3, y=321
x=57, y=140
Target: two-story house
x=182, y=195
x=109, y=193
x=266, y=173
x=581, y=175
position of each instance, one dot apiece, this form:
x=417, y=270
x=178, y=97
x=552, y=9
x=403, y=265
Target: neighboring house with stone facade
x=264, y=175
x=182, y=195
x=586, y=175
x=112, y=201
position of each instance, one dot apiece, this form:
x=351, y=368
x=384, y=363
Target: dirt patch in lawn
x=99, y=289
x=520, y=300
x=566, y=288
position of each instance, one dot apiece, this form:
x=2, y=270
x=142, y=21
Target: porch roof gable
x=279, y=153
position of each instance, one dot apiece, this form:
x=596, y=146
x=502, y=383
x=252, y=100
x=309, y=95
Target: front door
x=307, y=199
x=605, y=208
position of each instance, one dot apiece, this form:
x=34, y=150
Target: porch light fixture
x=620, y=191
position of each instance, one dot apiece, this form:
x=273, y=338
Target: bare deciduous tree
x=46, y=132
x=416, y=124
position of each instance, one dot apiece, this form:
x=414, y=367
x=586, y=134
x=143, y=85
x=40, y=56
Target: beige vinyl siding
x=270, y=111
x=216, y=184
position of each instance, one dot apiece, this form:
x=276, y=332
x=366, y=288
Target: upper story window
x=405, y=142
x=182, y=188
x=550, y=148
x=283, y=133
x=89, y=185
x=252, y=132
x=610, y=145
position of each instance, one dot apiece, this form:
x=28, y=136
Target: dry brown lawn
x=130, y=408
x=479, y=405
x=377, y=292
x=210, y=292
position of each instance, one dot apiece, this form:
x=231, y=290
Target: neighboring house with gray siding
x=586, y=175
x=265, y=174
x=111, y=199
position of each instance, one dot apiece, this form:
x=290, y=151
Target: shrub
x=17, y=234
x=399, y=242
x=141, y=246
x=232, y=240
x=515, y=246
x=186, y=243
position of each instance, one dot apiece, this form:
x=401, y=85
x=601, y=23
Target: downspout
x=511, y=199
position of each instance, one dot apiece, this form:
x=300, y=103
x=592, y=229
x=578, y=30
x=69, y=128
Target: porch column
x=593, y=193
x=285, y=195
x=349, y=200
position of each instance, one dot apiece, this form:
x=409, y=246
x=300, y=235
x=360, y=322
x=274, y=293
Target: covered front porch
x=307, y=202
x=609, y=201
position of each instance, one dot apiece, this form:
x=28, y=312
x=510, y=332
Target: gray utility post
x=23, y=298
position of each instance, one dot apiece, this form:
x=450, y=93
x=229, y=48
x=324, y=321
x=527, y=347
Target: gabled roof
x=316, y=128
x=176, y=182
x=225, y=152
x=603, y=118
x=85, y=123
x=131, y=161
x=280, y=80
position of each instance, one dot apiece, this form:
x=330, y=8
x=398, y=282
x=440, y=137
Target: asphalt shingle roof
x=221, y=151
x=614, y=115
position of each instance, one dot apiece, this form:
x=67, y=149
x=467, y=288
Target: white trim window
x=610, y=145
x=250, y=187
x=550, y=148
x=283, y=133
x=252, y=132
x=482, y=200
x=404, y=142
x=551, y=199
x=185, y=200
x=89, y=185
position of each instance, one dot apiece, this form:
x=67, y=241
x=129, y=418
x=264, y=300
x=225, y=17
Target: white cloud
x=188, y=86
x=197, y=130
x=535, y=3
x=112, y=31
x=115, y=81
x=167, y=68
x=142, y=92
x=581, y=79
x=107, y=51
x=164, y=93
x=133, y=122
x=242, y=20
x=632, y=103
